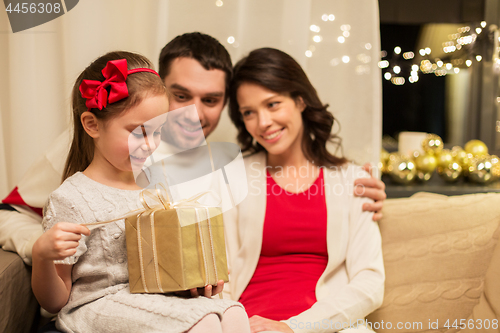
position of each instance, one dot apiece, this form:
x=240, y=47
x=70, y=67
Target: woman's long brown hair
x=277, y=71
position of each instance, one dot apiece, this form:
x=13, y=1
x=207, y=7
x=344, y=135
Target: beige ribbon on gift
x=162, y=202
x=212, y=263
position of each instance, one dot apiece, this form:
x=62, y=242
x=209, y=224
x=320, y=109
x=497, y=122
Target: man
x=197, y=70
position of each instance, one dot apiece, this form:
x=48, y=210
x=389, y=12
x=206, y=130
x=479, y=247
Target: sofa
x=19, y=310
x=442, y=261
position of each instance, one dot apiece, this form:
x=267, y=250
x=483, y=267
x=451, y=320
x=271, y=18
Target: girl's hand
x=259, y=324
x=209, y=290
x=60, y=241
x=371, y=188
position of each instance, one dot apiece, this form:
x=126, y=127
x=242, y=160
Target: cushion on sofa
x=485, y=316
x=437, y=250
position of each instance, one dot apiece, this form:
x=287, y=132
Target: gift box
x=175, y=249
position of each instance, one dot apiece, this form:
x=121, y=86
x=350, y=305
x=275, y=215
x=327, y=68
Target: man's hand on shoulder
x=372, y=188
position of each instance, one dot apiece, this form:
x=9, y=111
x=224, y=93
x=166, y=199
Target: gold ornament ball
x=460, y=156
x=450, y=173
x=467, y=167
x=432, y=144
x=402, y=169
x=384, y=155
x=481, y=170
x=392, y=158
x=426, y=163
x=495, y=168
x=444, y=158
x=384, y=158
x=476, y=148
x=424, y=176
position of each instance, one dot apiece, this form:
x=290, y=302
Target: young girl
x=116, y=100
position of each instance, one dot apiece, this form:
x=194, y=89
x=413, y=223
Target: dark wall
x=431, y=11
x=418, y=106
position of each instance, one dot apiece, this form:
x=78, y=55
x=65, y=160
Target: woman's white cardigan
x=352, y=285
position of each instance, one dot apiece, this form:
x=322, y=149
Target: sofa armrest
x=18, y=305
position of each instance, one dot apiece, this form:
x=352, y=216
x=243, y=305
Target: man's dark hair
x=203, y=48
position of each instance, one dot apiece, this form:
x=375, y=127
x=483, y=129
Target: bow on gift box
x=115, y=74
x=161, y=201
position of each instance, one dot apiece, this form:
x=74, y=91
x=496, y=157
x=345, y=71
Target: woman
x=303, y=255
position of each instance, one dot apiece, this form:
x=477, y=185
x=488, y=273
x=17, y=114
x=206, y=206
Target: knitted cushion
x=487, y=312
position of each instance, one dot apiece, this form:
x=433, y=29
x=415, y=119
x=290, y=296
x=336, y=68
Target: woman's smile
x=273, y=136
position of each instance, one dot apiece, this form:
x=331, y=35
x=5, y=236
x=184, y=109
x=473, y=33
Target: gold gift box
x=168, y=250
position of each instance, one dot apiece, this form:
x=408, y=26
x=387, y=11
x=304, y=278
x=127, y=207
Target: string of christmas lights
x=460, y=52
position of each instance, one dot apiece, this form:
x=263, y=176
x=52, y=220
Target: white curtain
x=38, y=66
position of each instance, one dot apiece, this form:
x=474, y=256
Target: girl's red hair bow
x=115, y=74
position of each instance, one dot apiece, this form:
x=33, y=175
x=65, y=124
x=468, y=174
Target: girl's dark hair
x=277, y=71
x=140, y=85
